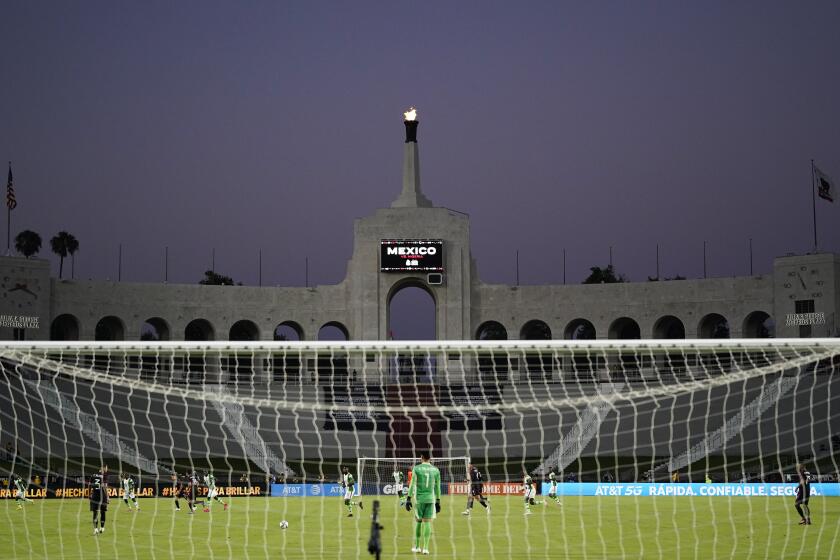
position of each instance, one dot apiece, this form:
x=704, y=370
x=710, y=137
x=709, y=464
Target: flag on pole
x=825, y=186
x=11, y=201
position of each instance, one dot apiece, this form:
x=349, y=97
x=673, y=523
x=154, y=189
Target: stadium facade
x=391, y=251
x=415, y=244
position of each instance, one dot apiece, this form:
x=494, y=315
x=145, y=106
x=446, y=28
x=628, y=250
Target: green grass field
x=583, y=527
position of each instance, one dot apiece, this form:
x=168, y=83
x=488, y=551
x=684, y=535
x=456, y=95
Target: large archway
x=332, y=365
x=759, y=324
x=240, y=365
x=110, y=328
x=64, y=327
x=713, y=325
x=154, y=329
x=412, y=315
x=412, y=312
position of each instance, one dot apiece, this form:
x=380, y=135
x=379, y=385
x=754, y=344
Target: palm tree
x=27, y=243
x=62, y=245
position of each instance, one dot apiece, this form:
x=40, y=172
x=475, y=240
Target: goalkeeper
x=425, y=489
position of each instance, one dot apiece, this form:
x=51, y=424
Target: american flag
x=11, y=201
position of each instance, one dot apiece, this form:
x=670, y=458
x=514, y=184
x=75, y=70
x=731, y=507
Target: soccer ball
x=284, y=524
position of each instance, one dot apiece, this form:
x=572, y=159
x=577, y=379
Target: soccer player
x=425, y=489
x=552, y=491
x=530, y=491
x=183, y=489
x=128, y=491
x=349, y=484
x=398, y=484
x=803, y=492
x=98, y=487
x=476, y=490
x=20, y=491
x=212, y=492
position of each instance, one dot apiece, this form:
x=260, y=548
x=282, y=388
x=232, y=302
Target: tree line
x=63, y=244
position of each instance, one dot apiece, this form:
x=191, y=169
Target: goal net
x=380, y=476
x=660, y=449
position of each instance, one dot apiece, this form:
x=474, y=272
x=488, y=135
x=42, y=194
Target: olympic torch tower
x=411, y=195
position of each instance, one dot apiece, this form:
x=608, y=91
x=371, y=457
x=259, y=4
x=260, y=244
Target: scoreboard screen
x=411, y=255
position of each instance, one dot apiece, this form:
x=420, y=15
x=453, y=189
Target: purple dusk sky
x=272, y=125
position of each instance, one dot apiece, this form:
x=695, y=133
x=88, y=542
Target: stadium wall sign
x=690, y=489
x=501, y=488
x=307, y=490
x=401, y=255
x=797, y=319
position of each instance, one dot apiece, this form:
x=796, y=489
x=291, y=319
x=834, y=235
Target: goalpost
x=617, y=421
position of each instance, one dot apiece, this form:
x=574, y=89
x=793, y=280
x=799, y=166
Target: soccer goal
x=660, y=448
x=381, y=475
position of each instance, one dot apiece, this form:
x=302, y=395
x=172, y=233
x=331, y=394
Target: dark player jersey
x=475, y=476
x=98, y=489
x=803, y=492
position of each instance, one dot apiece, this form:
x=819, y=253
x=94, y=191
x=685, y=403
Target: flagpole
x=814, y=203
x=8, y=220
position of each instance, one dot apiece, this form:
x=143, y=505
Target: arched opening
x=626, y=368
x=288, y=330
x=64, y=327
x=713, y=325
x=538, y=365
x=584, y=365
x=286, y=364
x=198, y=330
x=154, y=329
x=668, y=327
x=412, y=315
x=240, y=365
x=491, y=330
x=625, y=328
x=412, y=312
x=759, y=324
x=579, y=329
x=332, y=366
x=495, y=365
x=244, y=330
x=333, y=331
x=110, y=328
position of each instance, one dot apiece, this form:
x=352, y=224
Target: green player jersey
x=210, y=481
x=349, y=482
x=425, y=484
x=128, y=485
x=21, y=485
x=528, y=481
x=552, y=477
x=398, y=477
